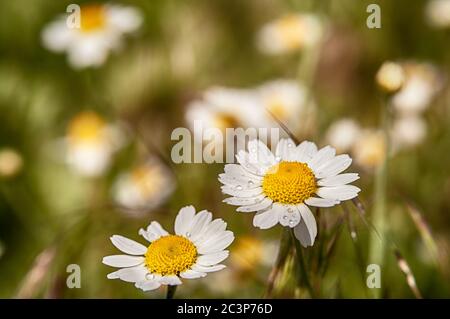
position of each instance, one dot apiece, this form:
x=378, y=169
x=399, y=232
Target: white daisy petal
x=306, y=151
x=200, y=268
x=285, y=148
x=216, y=243
x=301, y=232
x=147, y=285
x=334, y=166
x=343, y=192
x=267, y=219
x=266, y=202
x=122, y=260
x=309, y=221
x=153, y=232
x=322, y=202
x=132, y=274
x=237, y=171
x=338, y=180
x=192, y=274
x=246, y=183
x=260, y=154
x=170, y=280
x=184, y=219
x=128, y=246
x=239, y=192
x=199, y=223
x=212, y=259
x=248, y=164
x=289, y=216
x=324, y=155
x=215, y=228
x=244, y=201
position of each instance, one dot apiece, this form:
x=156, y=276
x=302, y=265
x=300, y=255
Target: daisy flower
x=287, y=101
x=342, y=134
x=101, y=30
x=370, y=148
x=90, y=143
x=196, y=249
x=290, y=33
x=438, y=13
x=280, y=187
x=144, y=187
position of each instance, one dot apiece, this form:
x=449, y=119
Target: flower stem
x=171, y=291
x=304, y=279
x=283, y=251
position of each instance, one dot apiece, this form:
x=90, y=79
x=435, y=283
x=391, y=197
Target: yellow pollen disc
x=289, y=183
x=86, y=127
x=224, y=121
x=92, y=18
x=170, y=255
x=291, y=32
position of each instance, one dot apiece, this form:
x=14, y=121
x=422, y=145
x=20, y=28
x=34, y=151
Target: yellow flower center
x=223, y=121
x=289, y=183
x=86, y=127
x=170, y=255
x=290, y=29
x=93, y=18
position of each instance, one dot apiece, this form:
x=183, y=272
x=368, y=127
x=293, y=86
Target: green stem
x=304, y=279
x=171, y=291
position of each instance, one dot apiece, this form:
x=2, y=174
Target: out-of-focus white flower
x=290, y=33
x=11, y=162
x=250, y=252
x=369, y=150
x=144, y=187
x=342, y=134
x=408, y=131
x=287, y=101
x=438, y=13
x=101, y=30
x=225, y=108
x=90, y=143
x=422, y=82
x=390, y=76
x=196, y=249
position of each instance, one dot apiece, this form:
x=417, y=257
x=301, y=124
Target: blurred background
x=86, y=118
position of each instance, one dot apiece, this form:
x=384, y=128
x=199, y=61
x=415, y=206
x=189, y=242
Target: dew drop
x=289, y=210
x=290, y=145
x=291, y=222
x=250, y=183
x=285, y=217
x=278, y=158
x=239, y=187
x=188, y=234
x=149, y=276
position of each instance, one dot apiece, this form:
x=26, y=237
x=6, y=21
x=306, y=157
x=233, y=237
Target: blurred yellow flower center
x=148, y=179
x=170, y=255
x=290, y=31
x=86, y=127
x=223, y=121
x=92, y=18
x=277, y=108
x=289, y=183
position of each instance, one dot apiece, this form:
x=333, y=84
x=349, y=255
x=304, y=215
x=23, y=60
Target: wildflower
x=90, y=144
x=390, y=76
x=101, y=30
x=438, y=13
x=196, y=249
x=11, y=162
x=290, y=33
x=145, y=187
x=369, y=150
x=422, y=82
x=280, y=187
x=408, y=131
x=342, y=134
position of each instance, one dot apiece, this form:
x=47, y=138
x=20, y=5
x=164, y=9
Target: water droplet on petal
x=250, y=183
x=285, y=217
x=291, y=222
x=239, y=187
x=278, y=158
x=290, y=210
x=149, y=276
x=188, y=234
x=290, y=145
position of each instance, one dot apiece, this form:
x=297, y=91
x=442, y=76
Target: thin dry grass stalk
x=33, y=280
x=404, y=267
x=425, y=231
